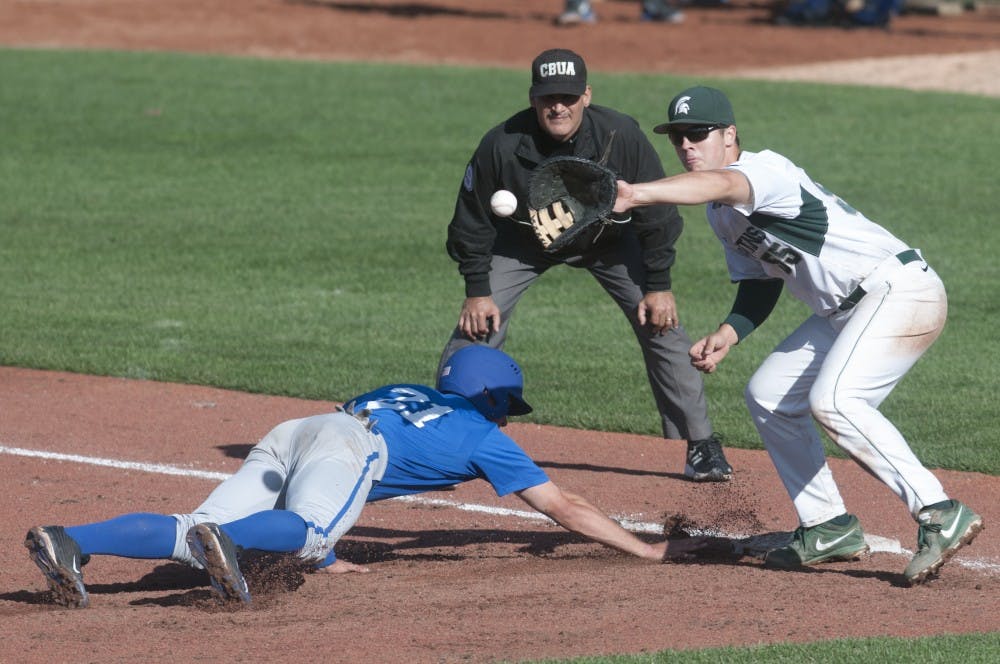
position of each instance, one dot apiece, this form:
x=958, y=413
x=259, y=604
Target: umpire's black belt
x=904, y=257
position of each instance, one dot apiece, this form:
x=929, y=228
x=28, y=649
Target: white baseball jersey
x=798, y=231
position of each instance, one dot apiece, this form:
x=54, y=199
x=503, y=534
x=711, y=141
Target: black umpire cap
x=558, y=71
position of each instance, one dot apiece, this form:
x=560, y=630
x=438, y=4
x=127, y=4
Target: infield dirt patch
x=450, y=584
x=447, y=584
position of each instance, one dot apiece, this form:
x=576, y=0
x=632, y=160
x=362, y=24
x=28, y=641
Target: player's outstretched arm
x=722, y=186
x=574, y=513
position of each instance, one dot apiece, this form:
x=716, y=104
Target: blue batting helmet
x=487, y=377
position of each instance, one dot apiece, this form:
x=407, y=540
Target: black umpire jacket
x=504, y=159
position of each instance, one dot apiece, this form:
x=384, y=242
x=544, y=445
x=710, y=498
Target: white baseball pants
x=837, y=371
x=322, y=468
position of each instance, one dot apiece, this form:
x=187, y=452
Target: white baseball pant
x=322, y=468
x=838, y=371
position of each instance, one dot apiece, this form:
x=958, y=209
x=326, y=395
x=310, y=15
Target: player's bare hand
x=708, y=352
x=658, y=309
x=343, y=567
x=480, y=317
x=623, y=202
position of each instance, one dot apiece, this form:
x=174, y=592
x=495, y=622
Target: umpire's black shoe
x=706, y=462
x=58, y=556
x=211, y=547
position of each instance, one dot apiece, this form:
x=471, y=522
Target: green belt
x=904, y=257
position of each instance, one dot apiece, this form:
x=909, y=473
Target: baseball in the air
x=503, y=203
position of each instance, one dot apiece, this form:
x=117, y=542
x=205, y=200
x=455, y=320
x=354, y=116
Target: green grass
x=279, y=227
x=968, y=649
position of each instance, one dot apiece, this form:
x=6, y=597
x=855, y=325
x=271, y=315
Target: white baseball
x=503, y=203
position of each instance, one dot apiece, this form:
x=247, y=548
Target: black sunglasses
x=693, y=134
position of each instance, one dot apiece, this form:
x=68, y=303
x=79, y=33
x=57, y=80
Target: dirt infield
x=459, y=575
x=448, y=584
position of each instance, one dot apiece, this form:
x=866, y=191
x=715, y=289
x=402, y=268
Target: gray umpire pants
x=677, y=386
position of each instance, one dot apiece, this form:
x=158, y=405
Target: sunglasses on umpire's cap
x=699, y=108
x=558, y=71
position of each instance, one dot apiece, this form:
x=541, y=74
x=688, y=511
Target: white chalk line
x=876, y=543
x=157, y=468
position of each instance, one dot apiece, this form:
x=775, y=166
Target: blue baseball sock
x=271, y=530
x=137, y=535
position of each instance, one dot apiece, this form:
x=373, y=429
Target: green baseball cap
x=698, y=106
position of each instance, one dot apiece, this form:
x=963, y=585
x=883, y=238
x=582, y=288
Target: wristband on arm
x=755, y=300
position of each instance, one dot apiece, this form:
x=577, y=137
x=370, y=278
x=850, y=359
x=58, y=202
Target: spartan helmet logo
x=682, y=107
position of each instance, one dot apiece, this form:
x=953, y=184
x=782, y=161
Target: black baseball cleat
x=218, y=555
x=706, y=461
x=58, y=556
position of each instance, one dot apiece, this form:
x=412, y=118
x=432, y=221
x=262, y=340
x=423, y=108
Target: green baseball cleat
x=944, y=529
x=821, y=543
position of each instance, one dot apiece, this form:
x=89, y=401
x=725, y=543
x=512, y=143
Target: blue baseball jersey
x=438, y=440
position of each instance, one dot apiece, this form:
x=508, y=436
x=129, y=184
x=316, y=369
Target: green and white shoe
x=944, y=529
x=825, y=542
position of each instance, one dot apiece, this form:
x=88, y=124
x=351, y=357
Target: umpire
x=631, y=259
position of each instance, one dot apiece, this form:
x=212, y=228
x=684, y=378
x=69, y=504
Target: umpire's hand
x=479, y=318
x=659, y=310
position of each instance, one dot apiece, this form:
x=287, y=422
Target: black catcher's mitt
x=566, y=195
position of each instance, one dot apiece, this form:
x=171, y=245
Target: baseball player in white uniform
x=877, y=307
